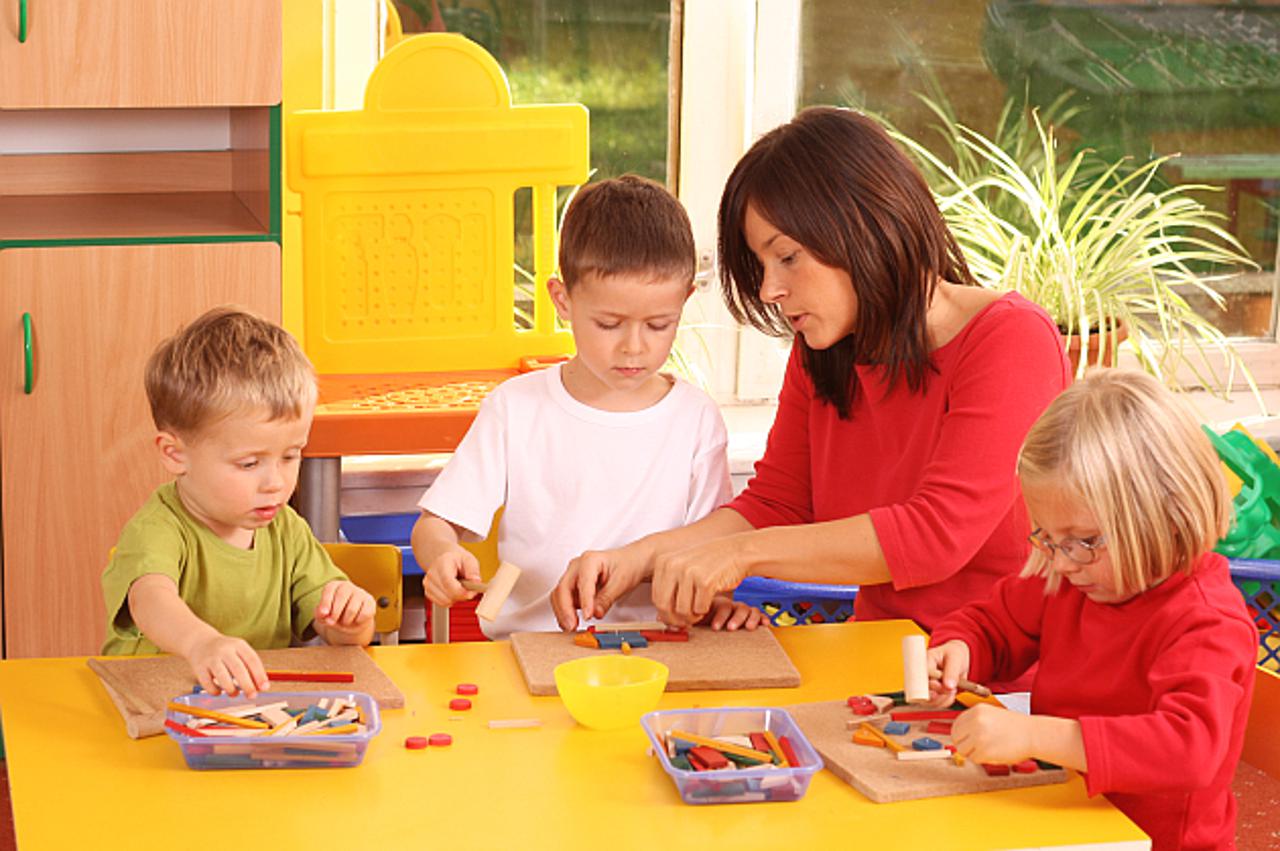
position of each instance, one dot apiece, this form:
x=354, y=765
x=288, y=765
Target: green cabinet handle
x=28, y=368
x=22, y=20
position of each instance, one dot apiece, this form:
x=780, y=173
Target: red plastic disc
x=440, y=740
x=459, y=703
x=415, y=743
x=468, y=688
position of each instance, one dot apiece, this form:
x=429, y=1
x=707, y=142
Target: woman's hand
x=730, y=615
x=686, y=582
x=597, y=579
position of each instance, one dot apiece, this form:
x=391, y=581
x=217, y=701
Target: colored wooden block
x=939, y=727
x=862, y=737
x=1027, y=766
x=311, y=676
x=924, y=743
x=635, y=639
x=911, y=715
x=925, y=754
x=609, y=640
x=871, y=730
x=680, y=736
x=664, y=635
x=995, y=770
x=897, y=728
x=788, y=752
x=861, y=705
x=586, y=639
x=708, y=759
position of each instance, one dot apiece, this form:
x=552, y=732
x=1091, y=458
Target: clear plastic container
x=741, y=785
x=323, y=751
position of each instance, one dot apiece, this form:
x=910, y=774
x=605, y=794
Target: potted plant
x=1105, y=248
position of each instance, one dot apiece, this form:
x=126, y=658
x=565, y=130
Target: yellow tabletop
x=77, y=780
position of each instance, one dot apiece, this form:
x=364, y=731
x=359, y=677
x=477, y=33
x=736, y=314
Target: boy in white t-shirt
x=598, y=451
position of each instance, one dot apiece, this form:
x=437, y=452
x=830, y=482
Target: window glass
x=1140, y=80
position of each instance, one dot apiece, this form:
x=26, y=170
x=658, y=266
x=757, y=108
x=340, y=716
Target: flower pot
x=1093, y=357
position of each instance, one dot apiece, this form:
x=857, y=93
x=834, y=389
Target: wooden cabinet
x=140, y=53
x=76, y=453
x=139, y=163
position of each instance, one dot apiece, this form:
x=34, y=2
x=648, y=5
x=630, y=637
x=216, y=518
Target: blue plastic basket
x=384, y=529
x=797, y=603
x=1259, y=582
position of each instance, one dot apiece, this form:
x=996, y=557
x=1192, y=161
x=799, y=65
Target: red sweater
x=1161, y=685
x=935, y=469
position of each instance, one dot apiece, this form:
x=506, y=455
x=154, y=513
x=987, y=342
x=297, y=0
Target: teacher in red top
x=891, y=461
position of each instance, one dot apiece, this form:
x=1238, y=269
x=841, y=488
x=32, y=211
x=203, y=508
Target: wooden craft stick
x=199, y=712
x=497, y=591
x=975, y=688
x=915, y=680
x=872, y=730
x=311, y=676
x=938, y=754
x=514, y=723
x=776, y=747
x=632, y=626
x=723, y=747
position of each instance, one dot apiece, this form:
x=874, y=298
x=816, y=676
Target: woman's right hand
x=597, y=579
x=441, y=581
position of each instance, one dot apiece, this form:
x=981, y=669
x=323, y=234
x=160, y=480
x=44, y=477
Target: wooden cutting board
x=878, y=774
x=140, y=687
x=708, y=660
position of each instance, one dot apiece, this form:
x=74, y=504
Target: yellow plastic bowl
x=608, y=692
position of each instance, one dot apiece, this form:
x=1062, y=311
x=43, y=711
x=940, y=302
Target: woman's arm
x=597, y=579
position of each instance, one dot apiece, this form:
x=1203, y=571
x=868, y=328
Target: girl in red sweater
x=1146, y=652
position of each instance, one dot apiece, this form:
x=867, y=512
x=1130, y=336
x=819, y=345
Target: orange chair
x=408, y=243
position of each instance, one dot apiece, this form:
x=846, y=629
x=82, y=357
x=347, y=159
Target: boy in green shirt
x=215, y=563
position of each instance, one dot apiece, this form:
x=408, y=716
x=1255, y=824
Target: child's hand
x=441, y=581
x=989, y=733
x=225, y=664
x=345, y=606
x=946, y=665
x=730, y=615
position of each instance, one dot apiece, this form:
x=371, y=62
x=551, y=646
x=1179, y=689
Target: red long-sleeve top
x=934, y=469
x=1161, y=686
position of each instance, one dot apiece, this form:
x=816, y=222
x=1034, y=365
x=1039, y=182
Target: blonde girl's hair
x=227, y=360
x=1136, y=456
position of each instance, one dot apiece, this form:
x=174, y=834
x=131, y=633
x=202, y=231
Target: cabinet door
x=140, y=53
x=76, y=454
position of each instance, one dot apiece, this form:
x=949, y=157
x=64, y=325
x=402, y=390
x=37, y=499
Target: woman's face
x=818, y=300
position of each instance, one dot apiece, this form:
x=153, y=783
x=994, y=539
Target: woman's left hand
x=686, y=582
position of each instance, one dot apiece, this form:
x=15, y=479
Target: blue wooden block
x=924, y=743
x=635, y=639
x=609, y=640
x=896, y=728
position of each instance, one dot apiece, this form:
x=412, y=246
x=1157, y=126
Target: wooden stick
x=174, y=706
x=970, y=686
x=311, y=676
x=514, y=723
x=631, y=626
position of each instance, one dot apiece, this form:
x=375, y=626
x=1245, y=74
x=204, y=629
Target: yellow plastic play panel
x=408, y=214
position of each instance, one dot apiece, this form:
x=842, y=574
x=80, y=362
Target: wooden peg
x=915, y=679
x=495, y=591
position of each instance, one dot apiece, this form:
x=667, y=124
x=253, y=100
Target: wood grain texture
x=878, y=774
x=140, y=687
x=77, y=452
x=142, y=53
x=708, y=660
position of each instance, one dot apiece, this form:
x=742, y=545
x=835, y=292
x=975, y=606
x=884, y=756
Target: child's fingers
x=239, y=672
x=564, y=600
x=254, y=669
x=325, y=606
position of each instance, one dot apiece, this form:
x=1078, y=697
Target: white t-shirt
x=575, y=478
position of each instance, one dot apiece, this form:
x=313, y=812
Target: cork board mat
x=708, y=660
x=878, y=774
x=140, y=688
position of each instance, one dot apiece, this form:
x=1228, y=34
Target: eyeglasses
x=1079, y=550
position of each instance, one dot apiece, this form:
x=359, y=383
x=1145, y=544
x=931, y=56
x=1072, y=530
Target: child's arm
x=443, y=559
x=220, y=662
x=344, y=614
x=992, y=734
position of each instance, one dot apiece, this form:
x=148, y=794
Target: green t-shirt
x=266, y=595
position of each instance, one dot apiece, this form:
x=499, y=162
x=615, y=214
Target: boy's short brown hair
x=226, y=361
x=623, y=225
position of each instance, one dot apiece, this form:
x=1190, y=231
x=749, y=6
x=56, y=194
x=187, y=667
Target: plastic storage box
x=735, y=786
x=1259, y=582
x=324, y=751
x=792, y=603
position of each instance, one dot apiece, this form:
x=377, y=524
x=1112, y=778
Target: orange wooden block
x=586, y=639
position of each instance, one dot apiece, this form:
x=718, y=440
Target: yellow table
x=78, y=781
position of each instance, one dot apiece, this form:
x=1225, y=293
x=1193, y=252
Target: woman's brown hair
x=834, y=181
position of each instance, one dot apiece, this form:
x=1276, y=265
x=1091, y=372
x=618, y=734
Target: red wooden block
x=995, y=770
x=709, y=758
x=311, y=677
x=759, y=742
x=1027, y=766
x=788, y=752
x=910, y=715
x=943, y=727
x=665, y=634
x=861, y=705
x=183, y=729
